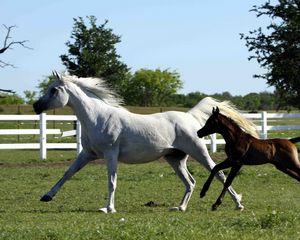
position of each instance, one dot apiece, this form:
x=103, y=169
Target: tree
x=7, y=98
x=193, y=98
x=92, y=52
x=151, y=87
x=30, y=96
x=251, y=101
x=8, y=43
x=44, y=84
x=278, y=50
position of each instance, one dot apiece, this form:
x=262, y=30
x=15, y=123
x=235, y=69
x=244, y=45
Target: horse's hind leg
x=294, y=172
x=82, y=159
x=233, y=172
x=178, y=163
x=215, y=170
x=288, y=163
x=237, y=198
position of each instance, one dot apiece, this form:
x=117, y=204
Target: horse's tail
x=203, y=110
x=294, y=140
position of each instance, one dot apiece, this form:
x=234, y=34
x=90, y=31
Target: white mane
x=97, y=86
x=203, y=110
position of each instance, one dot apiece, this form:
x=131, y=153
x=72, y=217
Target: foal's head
x=212, y=125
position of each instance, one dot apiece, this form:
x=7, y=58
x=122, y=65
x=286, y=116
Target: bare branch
x=5, y=64
x=8, y=91
x=7, y=34
x=7, y=43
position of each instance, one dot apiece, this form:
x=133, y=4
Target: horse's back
x=145, y=138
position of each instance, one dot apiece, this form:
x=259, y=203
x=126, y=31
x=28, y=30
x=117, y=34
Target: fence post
x=43, y=136
x=264, y=125
x=78, y=136
x=213, y=144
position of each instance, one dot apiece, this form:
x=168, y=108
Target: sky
x=198, y=39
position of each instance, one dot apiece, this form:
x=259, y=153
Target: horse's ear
x=56, y=75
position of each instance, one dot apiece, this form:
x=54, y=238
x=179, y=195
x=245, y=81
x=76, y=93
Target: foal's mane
x=202, y=111
x=228, y=122
x=96, y=86
x=240, y=123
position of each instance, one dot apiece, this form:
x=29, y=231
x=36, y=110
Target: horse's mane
x=203, y=110
x=228, y=121
x=96, y=86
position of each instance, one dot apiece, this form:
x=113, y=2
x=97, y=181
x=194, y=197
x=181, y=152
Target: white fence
x=42, y=132
x=261, y=118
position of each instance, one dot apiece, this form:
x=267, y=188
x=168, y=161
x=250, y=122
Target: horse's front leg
x=82, y=159
x=225, y=164
x=233, y=172
x=112, y=163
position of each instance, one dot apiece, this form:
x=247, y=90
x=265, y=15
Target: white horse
x=111, y=132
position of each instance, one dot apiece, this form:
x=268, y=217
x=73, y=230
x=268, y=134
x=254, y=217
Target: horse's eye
x=53, y=91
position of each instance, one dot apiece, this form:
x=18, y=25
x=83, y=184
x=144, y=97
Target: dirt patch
x=51, y=164
x=45, y=164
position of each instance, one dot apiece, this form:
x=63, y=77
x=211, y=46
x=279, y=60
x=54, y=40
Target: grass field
x=271, y=202
x=271, y=199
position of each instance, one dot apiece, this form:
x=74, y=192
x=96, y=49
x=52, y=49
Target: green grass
x=271, y=199
x=271, y=202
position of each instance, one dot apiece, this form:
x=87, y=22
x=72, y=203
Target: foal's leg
x=234, y=170
x=215, y=170
x=201, y=154
x=292, y=173
x=287, y=161
x=179, y=166
x=82, y=159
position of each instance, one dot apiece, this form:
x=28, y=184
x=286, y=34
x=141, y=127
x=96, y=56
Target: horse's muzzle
x=38, y=107
x=200, y=134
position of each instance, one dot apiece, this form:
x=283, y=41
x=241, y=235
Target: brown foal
x=243, y=149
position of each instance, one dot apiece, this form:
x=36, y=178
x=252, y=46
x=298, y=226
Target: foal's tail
x=294, y=140
x=203, y=110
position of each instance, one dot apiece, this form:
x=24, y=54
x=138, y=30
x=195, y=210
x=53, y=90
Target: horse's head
x=55, y=97
x=212, y=124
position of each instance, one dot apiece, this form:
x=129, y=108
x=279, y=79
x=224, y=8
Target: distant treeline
x=251, y=102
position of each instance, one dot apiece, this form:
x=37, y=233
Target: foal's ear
x=215, y=111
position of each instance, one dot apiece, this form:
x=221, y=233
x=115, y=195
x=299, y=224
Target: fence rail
x=262, y=126
x=42, y=132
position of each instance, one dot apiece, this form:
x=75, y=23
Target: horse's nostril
x=37, y=107
x=199, y=134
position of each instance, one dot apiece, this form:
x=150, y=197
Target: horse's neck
x=86, y=109
x=231, y=132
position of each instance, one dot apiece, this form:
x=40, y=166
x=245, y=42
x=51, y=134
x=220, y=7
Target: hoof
x=214, y=207
x=202, y=194
x=46, y=198
x=106, y=210
x=239, y=208
x=177, y=209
